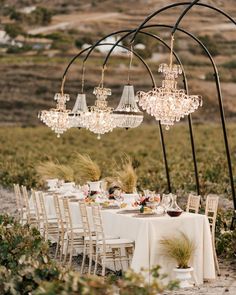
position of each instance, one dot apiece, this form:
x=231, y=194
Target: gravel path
x=225, y=284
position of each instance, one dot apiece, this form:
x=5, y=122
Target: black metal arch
x=181, y=16
x=174, y=28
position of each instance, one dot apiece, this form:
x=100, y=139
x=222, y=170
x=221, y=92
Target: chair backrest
x=211, y=210
x=67, y=213
x=36, y=206
x=193, y=204
x=58, y=211
x=26, y=200
x=18, y=196
x=42, y=207
x=97, y=222
x=85, y=220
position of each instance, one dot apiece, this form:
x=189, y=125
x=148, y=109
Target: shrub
x=24, y=260
x=13, y=30
x=26, y=268
x=40, y=16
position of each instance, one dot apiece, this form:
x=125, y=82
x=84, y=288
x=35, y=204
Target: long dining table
x=147, y=233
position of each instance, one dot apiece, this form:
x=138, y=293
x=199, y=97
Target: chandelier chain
x=83, y=78
x=131, y=55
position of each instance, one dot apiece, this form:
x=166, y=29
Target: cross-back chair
x=193, y=203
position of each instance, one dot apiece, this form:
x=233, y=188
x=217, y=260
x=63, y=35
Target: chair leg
x=58, y=244
x=104, y=265
x=215, y=256
x=66, y=250
x=83, y=260
x=96, y=261
x=62, y=245
x=216, y=262
x=71, y=250
x=90, y=257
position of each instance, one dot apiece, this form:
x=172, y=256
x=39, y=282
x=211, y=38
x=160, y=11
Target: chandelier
x=127, y=114
x=76, y=117
x=57, y=119
x=168, y=104
x=99, y=119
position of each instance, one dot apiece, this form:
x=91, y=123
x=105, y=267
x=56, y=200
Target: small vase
x=174, y=210
x=95, y=186
x=52, y=183
x=184, y=276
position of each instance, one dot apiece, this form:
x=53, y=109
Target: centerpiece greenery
x=180, y=248
x=86, y=169
x=49, y=169
x=127, y=175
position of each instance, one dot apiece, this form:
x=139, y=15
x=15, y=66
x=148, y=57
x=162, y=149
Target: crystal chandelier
x=167, y=103
x=99, y=119
x=76, y=117
x=57, y=119
x=127, y=114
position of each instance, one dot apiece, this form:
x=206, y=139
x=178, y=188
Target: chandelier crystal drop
x=127, y=114
x=99, y=119
x=80, y=109
x=57, y=119
x=168, y=104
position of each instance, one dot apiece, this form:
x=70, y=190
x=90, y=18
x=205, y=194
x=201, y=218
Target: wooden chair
x=109, y=250
x=74, y=235
x=89, y=238
x=62, y=224
x=28, y=211
x=38, y=212
x=19, y=202
x=211, y=213
x=193, y=203
x=51, y=228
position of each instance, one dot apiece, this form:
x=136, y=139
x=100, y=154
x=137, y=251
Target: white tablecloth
x=147, y=232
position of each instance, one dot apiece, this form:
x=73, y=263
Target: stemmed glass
x=166, y=201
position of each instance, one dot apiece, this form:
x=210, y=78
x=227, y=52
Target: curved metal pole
x=102, y=39
x=176, y=5
x=101, y=44
x=182, y=15
x=220, y=101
